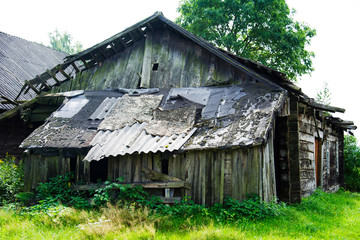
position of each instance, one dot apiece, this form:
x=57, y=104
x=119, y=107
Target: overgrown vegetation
x=321, y=216
x=351, y=163
x=120, y=211
x=11, y=179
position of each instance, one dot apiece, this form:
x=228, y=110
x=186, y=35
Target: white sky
x=336, y=45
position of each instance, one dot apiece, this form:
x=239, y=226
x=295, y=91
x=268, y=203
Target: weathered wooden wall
x=212, y=174
x=163, y=59
x=331, y=153
x=41, y=168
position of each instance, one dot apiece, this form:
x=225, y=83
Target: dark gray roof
x=22, y=60
x=112, y=123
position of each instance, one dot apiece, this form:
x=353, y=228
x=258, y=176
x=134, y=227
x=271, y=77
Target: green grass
x=321, y=216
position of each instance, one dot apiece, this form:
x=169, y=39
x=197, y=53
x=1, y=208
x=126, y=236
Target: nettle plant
x=11, y=178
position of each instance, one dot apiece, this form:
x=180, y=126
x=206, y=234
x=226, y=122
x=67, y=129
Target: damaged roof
x=21, y=60
x=111, y=123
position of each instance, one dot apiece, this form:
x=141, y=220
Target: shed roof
x=112, y=123
x=21, y=60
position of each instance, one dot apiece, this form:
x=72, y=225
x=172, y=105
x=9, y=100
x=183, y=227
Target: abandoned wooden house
x=163, y=108
x=20, y=60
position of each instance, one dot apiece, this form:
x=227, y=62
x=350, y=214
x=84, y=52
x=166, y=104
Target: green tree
x=63, y=41
x=261, y=30
x=324, y=96
x=351, y=163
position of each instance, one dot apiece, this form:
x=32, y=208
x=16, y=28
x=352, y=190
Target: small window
x=155, y=66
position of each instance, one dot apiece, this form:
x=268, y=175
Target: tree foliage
x=63, y=41
x=261, y=30
x=352, y=163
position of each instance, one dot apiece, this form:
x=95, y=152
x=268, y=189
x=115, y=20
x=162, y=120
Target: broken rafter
x=32, y=87
x=9, y=101
x=53, y=76
x=75, y=67
x=58, y=67
x=43, y=82
x=85, y=63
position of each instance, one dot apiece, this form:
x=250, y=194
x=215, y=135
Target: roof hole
x=155, y=66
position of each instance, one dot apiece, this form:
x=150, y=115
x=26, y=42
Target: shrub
x=351, y=163
x=11, y=178
x=58, y=190
x=120, y=193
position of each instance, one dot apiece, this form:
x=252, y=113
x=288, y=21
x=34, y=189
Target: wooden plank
x=170, y=200
x=157, y=176
x=149, y=185
x=75, y=67
x=58, y=67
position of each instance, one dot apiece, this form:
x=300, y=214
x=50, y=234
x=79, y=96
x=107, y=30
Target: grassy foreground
x=321, y=216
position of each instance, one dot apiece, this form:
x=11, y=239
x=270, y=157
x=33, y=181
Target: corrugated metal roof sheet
x=114, y=124
x=22, y=60
x=133, y=139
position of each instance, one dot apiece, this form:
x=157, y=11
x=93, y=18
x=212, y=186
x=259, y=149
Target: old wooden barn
x=163, y=108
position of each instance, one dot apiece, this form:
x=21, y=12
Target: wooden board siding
x=212, y=174
x=41, y=168
x=163, y=59
x=328, y=151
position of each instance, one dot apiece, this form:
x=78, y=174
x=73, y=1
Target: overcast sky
x=336, y=45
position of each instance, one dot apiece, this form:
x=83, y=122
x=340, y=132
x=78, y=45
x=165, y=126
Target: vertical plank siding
x=180, y=63
x=330, y=159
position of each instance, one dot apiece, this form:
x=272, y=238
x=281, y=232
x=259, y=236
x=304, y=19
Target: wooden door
x=318, y=161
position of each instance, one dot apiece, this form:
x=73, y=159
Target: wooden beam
x=151, y=185
x=157, y=176
x=63, y=72
x=43, y=82
x=85, y=63
x=9, y=101
x=75, y=67
x=32, y=87
x=53, y=76
x=13, y=112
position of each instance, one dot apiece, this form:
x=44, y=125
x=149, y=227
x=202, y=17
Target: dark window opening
x=99, y=171
x=155, y=66
x=165, y=166
x=73, y=164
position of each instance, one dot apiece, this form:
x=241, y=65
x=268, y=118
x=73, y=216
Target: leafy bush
x=351, y=163
x=121, y=193
x=58, y=190
x=11, y=178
